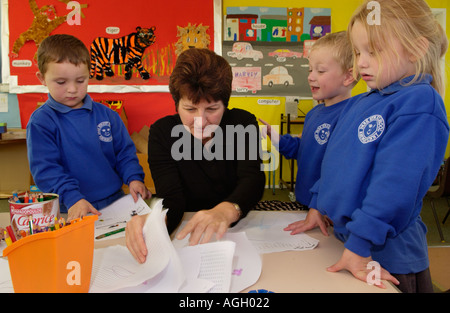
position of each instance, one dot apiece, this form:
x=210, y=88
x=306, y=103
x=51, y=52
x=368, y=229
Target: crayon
x=56, y=223
x=7, y=238
x=110, y=233
x=41, y=198
x=30, y=223
x=16, y=198
x=26, y=198
x=49, y=227
x=11, y=233
x=23, y=233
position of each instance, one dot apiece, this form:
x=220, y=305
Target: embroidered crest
x=371, y=129
x=322, y=133
x=104, y=131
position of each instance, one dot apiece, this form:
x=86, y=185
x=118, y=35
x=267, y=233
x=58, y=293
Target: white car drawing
x=278, y=76
x=243, y=50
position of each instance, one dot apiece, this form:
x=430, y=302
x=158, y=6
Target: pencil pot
x=44, y=211
x=54, y=261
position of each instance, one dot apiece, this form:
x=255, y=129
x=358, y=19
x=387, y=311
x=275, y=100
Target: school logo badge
x=371, y=129
x=104, y=131
x=322, y=133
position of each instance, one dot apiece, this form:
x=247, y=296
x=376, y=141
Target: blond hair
x=339, y=46
x=412, y=23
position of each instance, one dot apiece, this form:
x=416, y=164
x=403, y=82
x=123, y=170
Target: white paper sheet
x=265, y=231
x=246, y=264
x=169, y=280
x=191, y=261
x=115, y=268
x=216, y=260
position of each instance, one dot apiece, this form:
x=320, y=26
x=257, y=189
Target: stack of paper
x=230, y=265
x=115, y=268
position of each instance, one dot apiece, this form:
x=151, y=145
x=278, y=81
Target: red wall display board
x=140, y=109
x=165, y=28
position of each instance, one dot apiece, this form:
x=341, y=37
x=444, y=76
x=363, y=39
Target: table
x=305, y=271
x=293, y=271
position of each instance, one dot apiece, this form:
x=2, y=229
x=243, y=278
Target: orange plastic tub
x=54, y=261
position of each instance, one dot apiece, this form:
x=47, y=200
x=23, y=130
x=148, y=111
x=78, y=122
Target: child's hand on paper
x=357, y=265
x=269, y=131
x=312, y=220
x=137, y=187
x=80, y=209
x=135, y=237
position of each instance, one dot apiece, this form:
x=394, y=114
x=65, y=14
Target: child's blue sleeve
x=289, y=146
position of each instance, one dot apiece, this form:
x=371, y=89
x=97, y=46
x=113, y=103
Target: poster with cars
x=268, y=48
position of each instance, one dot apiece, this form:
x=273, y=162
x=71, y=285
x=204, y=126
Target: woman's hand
x=135, y=237
x=357, y=265
x=312, y=220
x=205, y=223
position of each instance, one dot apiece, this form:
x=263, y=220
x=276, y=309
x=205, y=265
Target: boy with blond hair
x=331, y=81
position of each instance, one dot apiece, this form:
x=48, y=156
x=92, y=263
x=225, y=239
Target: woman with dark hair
x=204, y=159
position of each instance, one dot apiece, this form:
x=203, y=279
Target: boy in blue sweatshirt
x=331, y=82
x=77, y=148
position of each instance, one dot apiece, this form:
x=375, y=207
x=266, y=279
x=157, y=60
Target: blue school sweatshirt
x=83, y=153
x=381, y=159
x=310, y=148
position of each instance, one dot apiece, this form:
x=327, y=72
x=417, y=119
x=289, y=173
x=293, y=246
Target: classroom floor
x=439, y=252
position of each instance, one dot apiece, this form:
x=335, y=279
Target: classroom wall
x=341, y=12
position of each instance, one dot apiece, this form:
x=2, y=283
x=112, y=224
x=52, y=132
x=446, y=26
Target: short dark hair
x=201, y=74
x=60, y=48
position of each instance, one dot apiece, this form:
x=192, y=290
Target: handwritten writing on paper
x=265, y=232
